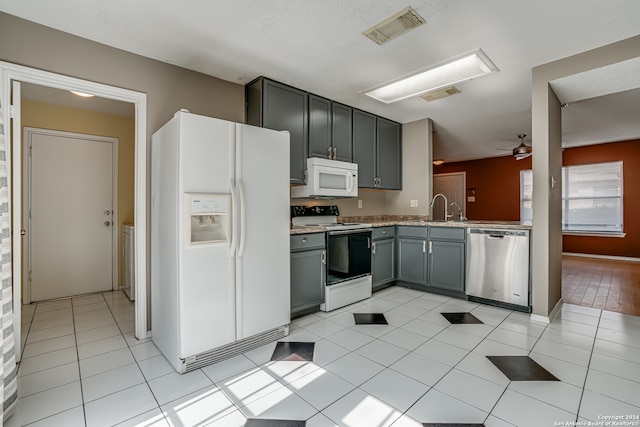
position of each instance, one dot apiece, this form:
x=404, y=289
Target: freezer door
x=263, y=275
x=206, y=296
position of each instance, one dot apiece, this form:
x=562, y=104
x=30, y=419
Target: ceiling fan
x=522, y=151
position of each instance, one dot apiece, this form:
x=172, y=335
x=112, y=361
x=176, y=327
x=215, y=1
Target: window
x=591, y=197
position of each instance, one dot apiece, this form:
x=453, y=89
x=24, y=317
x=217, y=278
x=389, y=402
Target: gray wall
x=168, y=88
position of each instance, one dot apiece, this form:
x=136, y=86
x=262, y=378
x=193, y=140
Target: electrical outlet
x=359, y=204
x=414, y=203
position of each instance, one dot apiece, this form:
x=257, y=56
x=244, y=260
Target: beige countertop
x=383, y=222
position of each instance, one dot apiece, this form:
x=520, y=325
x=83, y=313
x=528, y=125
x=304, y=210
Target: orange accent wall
x=497, y=191
x=496, y=182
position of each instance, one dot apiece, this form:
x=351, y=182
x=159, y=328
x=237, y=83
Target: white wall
x=417, y=170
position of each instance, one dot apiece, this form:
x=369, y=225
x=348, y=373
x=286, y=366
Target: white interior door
x=452, y=185
x=71, y=221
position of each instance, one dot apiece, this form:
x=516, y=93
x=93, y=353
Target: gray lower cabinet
x=383, y=256
x=277, y=106
x=307, y=273
x=412, y=260
x=432, y=258
x=412, y=254
x=446, y=265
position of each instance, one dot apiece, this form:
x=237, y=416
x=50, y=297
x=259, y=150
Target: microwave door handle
x=350, y=183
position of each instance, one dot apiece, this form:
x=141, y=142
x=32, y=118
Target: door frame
x=463, y=174
x=10, y=73
x=26, y=201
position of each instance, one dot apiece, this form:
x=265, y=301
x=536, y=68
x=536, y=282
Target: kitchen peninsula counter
x=391, y=221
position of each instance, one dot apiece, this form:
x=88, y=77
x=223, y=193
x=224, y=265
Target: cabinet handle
x=304, y=240
x=384, y=232
x=379, y=181
x=330, y=155
x=368, y=242
x=324, y=257
x=335, y=153
x=424, y=247
x=430, y=247
x=373, y=248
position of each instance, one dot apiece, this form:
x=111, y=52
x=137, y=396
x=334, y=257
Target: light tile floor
x=83, y=367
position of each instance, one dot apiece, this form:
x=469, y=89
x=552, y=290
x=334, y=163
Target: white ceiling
x=318, y=46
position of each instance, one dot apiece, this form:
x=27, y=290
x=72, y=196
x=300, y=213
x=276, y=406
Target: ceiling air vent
x=439, y=94
x=395, y=26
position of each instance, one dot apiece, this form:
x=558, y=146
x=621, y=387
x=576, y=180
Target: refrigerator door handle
x=242, y=219
x=234, y=244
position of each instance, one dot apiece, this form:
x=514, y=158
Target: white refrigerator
x=220, y=275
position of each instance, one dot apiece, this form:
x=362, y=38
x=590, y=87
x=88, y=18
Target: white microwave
x=328, y=179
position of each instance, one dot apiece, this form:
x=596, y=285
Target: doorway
x=452, y=185
x=70, y=193
x=10, y=93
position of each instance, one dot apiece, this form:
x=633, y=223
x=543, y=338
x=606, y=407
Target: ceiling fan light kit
x=522, y=151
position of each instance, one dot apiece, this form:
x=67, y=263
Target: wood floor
x=606, y=284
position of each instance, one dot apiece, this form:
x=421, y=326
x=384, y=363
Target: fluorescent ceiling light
x=470, y=66
x=82, y=94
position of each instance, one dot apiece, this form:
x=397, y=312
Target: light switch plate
x=414, y=203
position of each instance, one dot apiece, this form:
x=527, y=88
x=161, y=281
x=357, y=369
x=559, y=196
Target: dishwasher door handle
x=495, y=236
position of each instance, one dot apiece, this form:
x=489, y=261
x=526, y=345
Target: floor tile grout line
x=137, y=362
x=84, y=411
x=584, y=384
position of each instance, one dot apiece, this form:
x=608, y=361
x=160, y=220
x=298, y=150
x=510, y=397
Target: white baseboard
x=552, y=314
x=612, y=257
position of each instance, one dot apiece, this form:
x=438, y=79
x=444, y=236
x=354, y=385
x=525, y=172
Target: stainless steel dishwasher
x=498, y=266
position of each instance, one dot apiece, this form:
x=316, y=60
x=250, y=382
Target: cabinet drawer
x=304, y=242
x=383, y=232
x=447, y=233
x=416, y=232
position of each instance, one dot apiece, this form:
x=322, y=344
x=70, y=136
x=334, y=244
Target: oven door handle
x=368, y=242
x=352, y=231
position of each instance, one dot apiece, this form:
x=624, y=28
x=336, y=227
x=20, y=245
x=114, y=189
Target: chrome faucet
x=446, y=212
x=460, y=213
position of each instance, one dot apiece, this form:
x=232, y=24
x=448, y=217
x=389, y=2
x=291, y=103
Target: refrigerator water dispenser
x=208, y=218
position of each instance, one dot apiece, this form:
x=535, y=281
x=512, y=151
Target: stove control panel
x=297, y=211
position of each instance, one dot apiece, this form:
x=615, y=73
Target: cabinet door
x=382, y=262
x=319, y=127
x=307, y=279
x=342, y=132
x=447, y=265
x=412, y=261
x=285, y=108
x=389, y=154
x=364, y=144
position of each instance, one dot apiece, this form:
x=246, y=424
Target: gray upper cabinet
x=377, y=149
x=329, y=129
x=389, y=158
x=320, y=127
x=277, y=106
x=364, y=148
x=320, y=140
x=342, y=132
